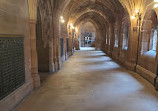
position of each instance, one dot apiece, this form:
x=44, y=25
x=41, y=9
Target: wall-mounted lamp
x=76, y=29
x=62, y=19
x=73, y=27
x=137, y=14
x=132, y=17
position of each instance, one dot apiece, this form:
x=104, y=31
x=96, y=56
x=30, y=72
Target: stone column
x=77, y=41
x=119, y=29
x=133, y=44
x=98, y=40
x=103, y=40
x=108, y=43
x=112, y=38
x=70, y=42
x=34, y=64
x=56, y=43
x=34, y=61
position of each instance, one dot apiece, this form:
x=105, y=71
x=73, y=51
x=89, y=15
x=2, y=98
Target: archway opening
x=149, y=34
x=42, y=50
x=87, y=35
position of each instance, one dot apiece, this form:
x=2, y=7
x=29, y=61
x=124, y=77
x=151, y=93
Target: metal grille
x=12, y=70
x=62, y=46
x=67, y=43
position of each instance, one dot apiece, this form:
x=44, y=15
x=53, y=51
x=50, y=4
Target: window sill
x=151, y=54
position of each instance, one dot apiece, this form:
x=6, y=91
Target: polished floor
x=92, y=81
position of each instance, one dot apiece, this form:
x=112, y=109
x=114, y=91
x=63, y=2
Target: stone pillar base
x=36, y=81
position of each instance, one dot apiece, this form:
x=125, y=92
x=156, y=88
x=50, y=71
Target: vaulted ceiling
x=100, y=12
x=108, y=8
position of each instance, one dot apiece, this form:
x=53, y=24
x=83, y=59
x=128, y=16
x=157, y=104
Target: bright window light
x=155, y=0
x=154, y=43
x=156, y=5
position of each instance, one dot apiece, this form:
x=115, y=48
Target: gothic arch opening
x=42, y=50
x=148, y=45
x=126, y=32
x=149, y=32
x=87, y=35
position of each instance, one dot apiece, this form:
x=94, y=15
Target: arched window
x=153, y=40
x=149, y=34
x=109, y=40
x=116, y=39
x=125, y=38
x=125, y=30
x=106, y=38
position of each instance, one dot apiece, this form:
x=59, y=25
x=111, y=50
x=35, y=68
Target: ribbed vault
x=110, y=9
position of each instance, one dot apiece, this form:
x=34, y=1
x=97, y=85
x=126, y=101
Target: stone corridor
x=92, y=81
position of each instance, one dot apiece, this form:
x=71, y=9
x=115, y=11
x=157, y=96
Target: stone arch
x=146, y=57
x=83, y=27
x=126, y=30
x=42, y=49
x=149, y=24
x=99, y=26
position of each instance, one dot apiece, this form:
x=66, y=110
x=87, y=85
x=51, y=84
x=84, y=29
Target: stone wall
x=14, y=20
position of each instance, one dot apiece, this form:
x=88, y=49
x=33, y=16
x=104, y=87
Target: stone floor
x=92, y=81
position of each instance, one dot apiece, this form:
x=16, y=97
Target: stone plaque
x=12, y=70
